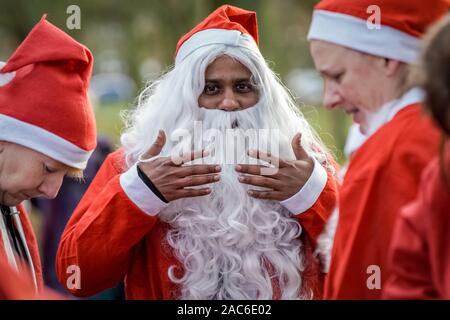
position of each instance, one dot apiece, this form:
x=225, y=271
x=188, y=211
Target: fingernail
x=241, y=178
x=250, y=192
x=238, y=168
x=217, y=178
x=218, y=168
x=208, y=190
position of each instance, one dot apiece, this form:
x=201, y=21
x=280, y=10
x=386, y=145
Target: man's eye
x=211, y=89
x=244, y=87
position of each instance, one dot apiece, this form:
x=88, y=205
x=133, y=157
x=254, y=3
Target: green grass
x=109, y=122
x=331, y=126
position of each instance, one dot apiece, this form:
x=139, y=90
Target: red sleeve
x=409, y=262
x=419, y=255
x=100, y=236
x=314, y=219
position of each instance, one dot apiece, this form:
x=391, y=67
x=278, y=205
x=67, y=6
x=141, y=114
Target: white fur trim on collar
x=388, y=111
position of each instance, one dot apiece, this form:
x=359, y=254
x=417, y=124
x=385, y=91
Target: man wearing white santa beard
x=207, y=229
x=234, y=248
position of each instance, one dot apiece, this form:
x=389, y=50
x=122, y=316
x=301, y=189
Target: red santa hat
x=402, y=22
x=226, y=25
x=43, y=96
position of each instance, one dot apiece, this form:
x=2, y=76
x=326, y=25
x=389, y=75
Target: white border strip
x=412, y=96
x=352, y=32
x=43, y=141
x=138, y=192
x=215, y=36
x=309, y=193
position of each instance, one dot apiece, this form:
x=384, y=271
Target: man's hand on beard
x=174, y=179
x=288, y=178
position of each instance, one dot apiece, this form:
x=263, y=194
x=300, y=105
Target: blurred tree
x=141, y=28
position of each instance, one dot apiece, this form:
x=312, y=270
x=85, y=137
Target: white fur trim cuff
x=352, y=32
x=215, y=36
x=41, y=140
x=309, y=193
x=138, y=192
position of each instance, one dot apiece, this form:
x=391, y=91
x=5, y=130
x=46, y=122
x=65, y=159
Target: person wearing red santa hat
x=419, y=256
x=47, y=131
x=221, y=226
x=363, y=50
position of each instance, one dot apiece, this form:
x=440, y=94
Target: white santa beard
x=227, y=241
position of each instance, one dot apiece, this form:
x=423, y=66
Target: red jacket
x=383, y=175
x=110, y=239
x=419, y=257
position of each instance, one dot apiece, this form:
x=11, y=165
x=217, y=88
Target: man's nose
x=51, y=185
x=331, y=97
x=229, y=101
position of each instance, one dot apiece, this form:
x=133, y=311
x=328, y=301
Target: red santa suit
x=115, y=235
x=383, y=175
x=419, y=258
